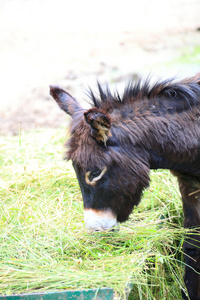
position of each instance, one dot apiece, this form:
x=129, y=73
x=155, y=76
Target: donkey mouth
x=100, y=220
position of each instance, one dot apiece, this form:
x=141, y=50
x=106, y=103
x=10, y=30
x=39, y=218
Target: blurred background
x=74, y=43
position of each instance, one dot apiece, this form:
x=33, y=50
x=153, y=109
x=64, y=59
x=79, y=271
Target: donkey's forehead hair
x=84, y=150
x=187, y=89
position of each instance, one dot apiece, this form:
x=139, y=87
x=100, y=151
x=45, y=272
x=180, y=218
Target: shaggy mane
x=184, y=93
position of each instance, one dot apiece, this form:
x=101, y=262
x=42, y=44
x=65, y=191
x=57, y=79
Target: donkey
x=114, y=144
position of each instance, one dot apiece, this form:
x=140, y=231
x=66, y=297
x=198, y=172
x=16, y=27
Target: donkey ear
x=100, y=124
x=64, y=100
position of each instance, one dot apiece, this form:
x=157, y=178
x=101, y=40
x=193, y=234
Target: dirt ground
x=74, y=43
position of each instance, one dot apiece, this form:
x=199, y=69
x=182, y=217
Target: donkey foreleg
x=190, y=192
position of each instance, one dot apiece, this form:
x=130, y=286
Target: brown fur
x=149, y=127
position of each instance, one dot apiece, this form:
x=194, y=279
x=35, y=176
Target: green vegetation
x=44, y=245
x=186, y=61
x=190, y=55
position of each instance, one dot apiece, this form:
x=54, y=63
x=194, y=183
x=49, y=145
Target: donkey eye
x=91, y=177
x=94, y=174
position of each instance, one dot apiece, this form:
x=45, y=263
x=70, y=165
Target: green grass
x=190, y=55
x=186, y=61
x=44, y=245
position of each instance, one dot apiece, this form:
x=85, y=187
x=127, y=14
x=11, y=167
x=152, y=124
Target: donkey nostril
x=113, y=229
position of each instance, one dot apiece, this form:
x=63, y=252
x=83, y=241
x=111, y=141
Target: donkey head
x=111, y=170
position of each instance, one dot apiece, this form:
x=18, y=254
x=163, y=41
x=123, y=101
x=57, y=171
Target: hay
x=44, y=245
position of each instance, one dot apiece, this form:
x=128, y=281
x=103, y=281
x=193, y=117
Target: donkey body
x=114, y=145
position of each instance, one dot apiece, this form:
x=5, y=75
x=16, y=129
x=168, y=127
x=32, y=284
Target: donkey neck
x=173, y=142
x=187, y=166
x=158, y=161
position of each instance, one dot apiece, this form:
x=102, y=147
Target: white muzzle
x=100, y=220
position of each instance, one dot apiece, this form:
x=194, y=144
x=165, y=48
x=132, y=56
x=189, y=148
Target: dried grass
x=44, y=245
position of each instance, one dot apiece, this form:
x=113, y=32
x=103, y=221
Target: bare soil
x=74, y=44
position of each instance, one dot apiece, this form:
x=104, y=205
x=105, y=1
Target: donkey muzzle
x=100, y=220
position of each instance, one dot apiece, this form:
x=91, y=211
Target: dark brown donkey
x=114, y=145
